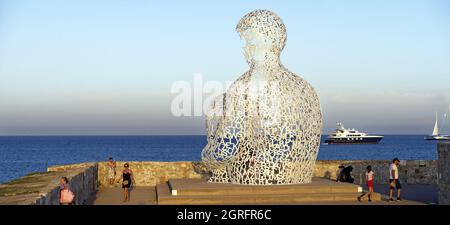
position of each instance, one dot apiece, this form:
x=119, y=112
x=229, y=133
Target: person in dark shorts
x=394, y=182
x=127, y=182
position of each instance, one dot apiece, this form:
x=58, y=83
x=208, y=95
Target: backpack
x=67, y=196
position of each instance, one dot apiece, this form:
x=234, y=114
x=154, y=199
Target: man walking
x=394, y=182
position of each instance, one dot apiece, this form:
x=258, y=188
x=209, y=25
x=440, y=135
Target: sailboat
x=435, y=135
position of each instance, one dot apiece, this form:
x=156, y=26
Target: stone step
x=164, y=197
x=198, y=187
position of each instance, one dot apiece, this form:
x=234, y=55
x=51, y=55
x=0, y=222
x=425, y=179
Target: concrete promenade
x=138, y=196
x=412, y=195
x=424, y=193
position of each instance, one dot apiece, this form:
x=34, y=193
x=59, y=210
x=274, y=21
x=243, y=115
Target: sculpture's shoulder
x=295, y=84
x=243, y=79
x=299, y=96
x=240, y=84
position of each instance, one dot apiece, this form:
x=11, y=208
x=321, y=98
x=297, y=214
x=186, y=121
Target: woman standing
x=111, y=170
x=127, y=182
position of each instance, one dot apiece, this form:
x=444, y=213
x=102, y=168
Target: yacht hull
x=362, y=140
x=437, y=138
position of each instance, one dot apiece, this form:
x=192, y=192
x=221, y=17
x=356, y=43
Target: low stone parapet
x=153, y=173
x=411, y=171
x=444, y=173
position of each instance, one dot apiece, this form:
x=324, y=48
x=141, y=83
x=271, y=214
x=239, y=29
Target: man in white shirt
x=394, y=182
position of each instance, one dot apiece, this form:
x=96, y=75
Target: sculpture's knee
x=219, y=175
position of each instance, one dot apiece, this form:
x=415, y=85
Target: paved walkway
x=426, y=194
x=114, y=196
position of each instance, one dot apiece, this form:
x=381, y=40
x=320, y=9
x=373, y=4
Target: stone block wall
x=411, y=171
x=153, y=173
x=69, y=167
x=444, y=173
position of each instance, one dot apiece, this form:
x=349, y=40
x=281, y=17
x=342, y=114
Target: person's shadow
x=130, y=192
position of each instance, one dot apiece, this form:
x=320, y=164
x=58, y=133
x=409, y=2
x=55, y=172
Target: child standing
x=369, y=179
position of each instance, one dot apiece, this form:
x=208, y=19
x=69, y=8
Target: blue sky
x=106, y=67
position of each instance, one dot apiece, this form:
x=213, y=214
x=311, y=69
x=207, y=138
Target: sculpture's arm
x=223, y=134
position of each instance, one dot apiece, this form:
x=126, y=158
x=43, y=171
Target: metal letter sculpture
x=266, y=128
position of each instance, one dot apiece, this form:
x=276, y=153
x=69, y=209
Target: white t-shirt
x=369, y=176
x=394, y=168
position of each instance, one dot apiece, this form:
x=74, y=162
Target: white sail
x=436, y=127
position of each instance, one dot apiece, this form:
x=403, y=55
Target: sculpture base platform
x=200, y=192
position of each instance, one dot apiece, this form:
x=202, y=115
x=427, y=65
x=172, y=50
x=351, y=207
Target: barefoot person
x=369, y=182
x=394, y=182
x=127, y=182
x=111, y=170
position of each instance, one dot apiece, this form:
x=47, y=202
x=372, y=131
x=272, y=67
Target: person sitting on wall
x=346, y=175
x=339, y=174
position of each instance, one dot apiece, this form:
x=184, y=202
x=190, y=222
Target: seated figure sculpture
x=266, y=128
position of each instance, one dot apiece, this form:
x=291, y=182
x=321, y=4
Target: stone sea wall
x=411, y=171
x=69, y=167
x=444, y=173
x=153, y=173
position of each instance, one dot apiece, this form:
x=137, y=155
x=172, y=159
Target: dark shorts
x=398, y=185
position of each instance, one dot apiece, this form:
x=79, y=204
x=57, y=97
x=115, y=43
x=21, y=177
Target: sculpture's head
x=265, y=36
